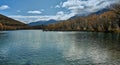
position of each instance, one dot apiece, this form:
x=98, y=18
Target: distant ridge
x=51, y=21
x=101, y=21
x=97, y=13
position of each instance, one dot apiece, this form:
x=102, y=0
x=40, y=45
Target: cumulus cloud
x=60, y=13
x=34, y=12
x=3, y=7
x=57, y=6
x=87, y=6
x=63, y=16
x=27, y=19
x=75, y=7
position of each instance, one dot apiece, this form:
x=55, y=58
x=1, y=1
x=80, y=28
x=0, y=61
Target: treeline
x=1, y=26
x=24, y=27
x=7, y=23
x=106, y=22
x=5, y=27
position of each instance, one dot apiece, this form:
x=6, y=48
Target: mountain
x=97, y=13
x=54, y=21
x=73, y=17
x=101, y=11
x=102, y=21
x=43, y=22
x=7, y=23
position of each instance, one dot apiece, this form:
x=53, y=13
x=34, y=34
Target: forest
x=108, y=21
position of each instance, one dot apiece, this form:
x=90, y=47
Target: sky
x=38, y=10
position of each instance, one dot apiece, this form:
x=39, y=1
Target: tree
x=1, y=26
x=116, y=9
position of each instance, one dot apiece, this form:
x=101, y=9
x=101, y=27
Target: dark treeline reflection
x=35, y=47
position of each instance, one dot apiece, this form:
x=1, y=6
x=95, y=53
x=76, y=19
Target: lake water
x=35, y=47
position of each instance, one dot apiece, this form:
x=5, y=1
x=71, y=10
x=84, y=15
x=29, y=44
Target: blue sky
x=34, y=10
x=30, y=5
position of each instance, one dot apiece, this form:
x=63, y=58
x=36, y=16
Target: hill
x=43, y=22
x=108, y=21
x=7, y=23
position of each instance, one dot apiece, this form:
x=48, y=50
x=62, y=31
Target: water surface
x=35, y=47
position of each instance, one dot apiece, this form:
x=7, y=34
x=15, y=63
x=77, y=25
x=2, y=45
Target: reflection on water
x=94, y=48
x=35, y=47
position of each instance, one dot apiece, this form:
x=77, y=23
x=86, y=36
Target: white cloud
x=57, y=6
x=3, y=7
x=63, y=16
x=87, y=6
x=34, y=12
x=60, y=13
x=74, y=6
x=18, y=11
x=27, y=19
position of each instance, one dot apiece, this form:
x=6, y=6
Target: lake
x=35, y=47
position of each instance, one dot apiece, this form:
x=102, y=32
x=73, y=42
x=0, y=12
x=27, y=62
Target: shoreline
x=65, y=31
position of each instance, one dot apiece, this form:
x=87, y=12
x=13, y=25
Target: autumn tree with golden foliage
x=106, y=22
x=1, y=26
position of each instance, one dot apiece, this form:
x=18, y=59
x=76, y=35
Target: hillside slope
x=108, y=21
x=43, y=22
x=7, y=23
